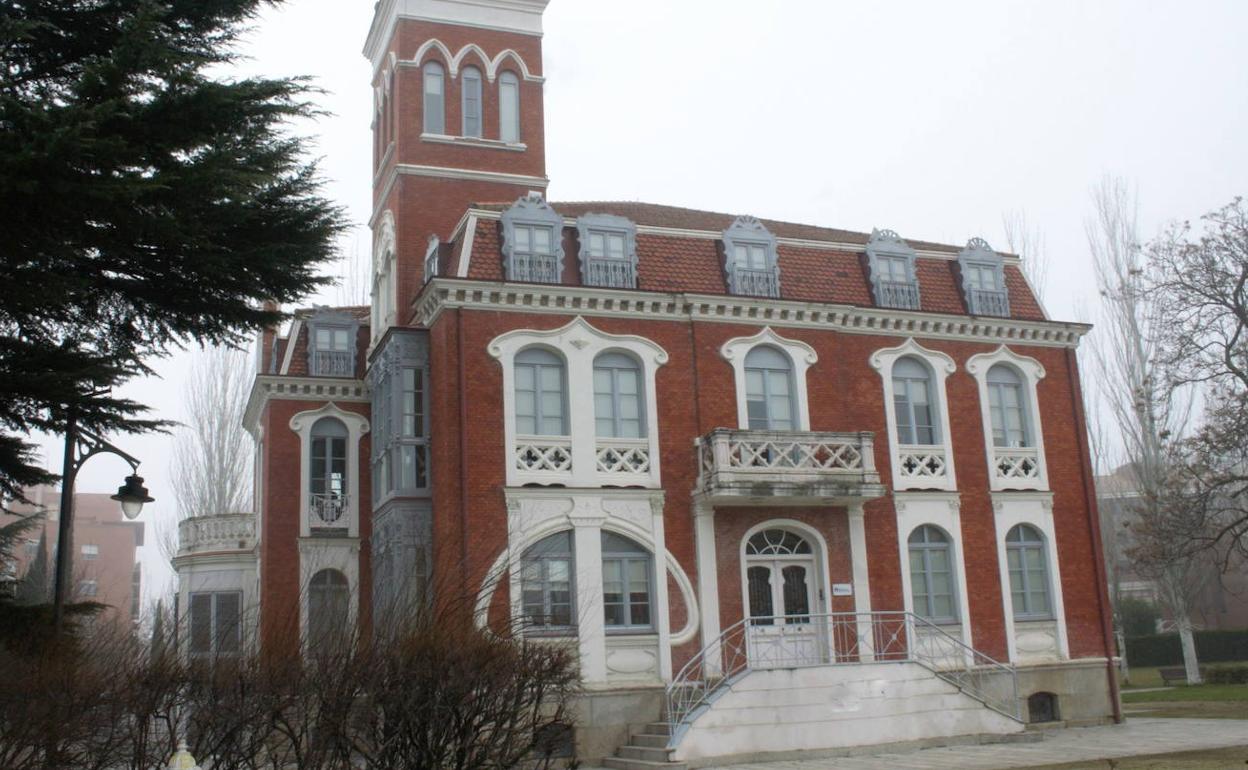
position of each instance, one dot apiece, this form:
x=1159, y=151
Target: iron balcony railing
x=901, y=295
x=535, y=268
x=332, y=363
x=328, y=510
x=990, y=302
x=754, y=282
x=610, y=273
x=840, y=638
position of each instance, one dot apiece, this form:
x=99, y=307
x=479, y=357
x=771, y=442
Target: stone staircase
x=646, y=750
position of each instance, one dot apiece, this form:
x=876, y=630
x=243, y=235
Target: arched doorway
x=782, y=594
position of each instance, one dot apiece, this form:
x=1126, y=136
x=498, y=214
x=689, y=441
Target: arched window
x=931, y=574
x=780, y=577
x=617, y=396
x=329, y=601
x=1007, y=405
x=547, y=591
x=1029, y=572
x=626, y=569
x=541, y=393
x=769, y=389
x=328, y=482
x=470, y=90
x=435, y=99
x=913, y=402
x=509, y=107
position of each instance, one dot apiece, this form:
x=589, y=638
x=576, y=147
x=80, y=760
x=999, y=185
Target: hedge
x=1165, y=650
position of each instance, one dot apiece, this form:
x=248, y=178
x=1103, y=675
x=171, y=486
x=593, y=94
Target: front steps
x=646, y=750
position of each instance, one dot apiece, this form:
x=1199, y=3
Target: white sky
x=932, y=119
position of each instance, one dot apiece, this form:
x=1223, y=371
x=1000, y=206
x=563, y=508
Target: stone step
x=651, y=741
x=620, y=763
x=648, y=753
x=657, y=728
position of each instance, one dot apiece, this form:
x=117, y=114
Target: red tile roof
x=675, y=263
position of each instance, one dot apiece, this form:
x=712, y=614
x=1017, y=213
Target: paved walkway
x=1138, y=737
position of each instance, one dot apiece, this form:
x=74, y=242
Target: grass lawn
x=1205, y=701
x=1215, y=759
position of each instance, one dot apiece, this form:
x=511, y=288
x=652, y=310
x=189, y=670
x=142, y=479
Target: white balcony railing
x=218, y=532
x=1016, y=465
x=902, y=295
x=755, y=463
x=610, y=273
x=916, y=461
x=623, y=456
x=332, y=363
x=544, y=454
x=327, y=510
x=754, y=282
x=989, y=302
x=536, y=268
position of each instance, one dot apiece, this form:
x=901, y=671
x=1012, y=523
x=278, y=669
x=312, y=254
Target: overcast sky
x=933, y=119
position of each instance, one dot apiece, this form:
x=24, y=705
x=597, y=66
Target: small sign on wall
x=842, y=589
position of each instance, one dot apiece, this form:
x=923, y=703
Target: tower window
x=435, y=101
x=471, y=92
x=509, y=108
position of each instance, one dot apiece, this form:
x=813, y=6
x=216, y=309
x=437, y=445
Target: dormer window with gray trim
x=608, y=251
x=532, y=242
x=891, y=263
x=750, y=259
x=331, y=343
x=983, y=279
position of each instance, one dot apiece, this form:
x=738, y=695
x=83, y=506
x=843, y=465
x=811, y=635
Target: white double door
x=785, y=628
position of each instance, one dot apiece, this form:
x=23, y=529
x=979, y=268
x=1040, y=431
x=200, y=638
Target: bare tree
x=1149, y=414
x=212, y=457
x=353, y=282
x=1027, y=242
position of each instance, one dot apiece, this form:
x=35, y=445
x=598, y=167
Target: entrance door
x=782, y=593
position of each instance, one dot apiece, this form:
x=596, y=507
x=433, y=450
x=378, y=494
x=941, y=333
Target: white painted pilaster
x=862, y=579
x=591, y=637
x=708, y=578
x=662, y=610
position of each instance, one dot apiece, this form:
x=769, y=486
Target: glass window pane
x=615, y=245
x=523, y=236
x=541, y=240
x=759, y=579
x=201, y=622
x=597, y=245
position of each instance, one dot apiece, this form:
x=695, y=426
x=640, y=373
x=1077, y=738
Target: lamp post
x=81, y=445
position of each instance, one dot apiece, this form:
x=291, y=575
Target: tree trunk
x=1191, y=666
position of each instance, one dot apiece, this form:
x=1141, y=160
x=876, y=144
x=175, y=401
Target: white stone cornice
x=444, y=293
x=517, y=16
x=272, y=386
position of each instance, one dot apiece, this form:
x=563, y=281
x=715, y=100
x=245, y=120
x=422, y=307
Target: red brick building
x=816, y=488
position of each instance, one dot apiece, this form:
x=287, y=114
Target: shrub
x=1138, y=617
x=1227, y=675
x=1165, y=650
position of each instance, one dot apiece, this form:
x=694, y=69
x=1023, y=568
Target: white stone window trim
x=534, y=514
x=1035, y=509
x=822, y=600
x=941, y=365
x=943, y=510
x=801, y=356
x=384, y=272
x=579, y=343
x=316, y=554
x=1032, y=372
x=357, y=427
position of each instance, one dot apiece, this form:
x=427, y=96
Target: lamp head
x=132, y=495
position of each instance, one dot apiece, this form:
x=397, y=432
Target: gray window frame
x=979, y=301
x=605, y=271
x=539, y=415
x=638, y=554
x=926, y=547
x=532, y=211
x=467, y=91
x=997, y=409
x=508, y=78
x=906, y=418
x=635, y=367
x=400, y=351
x=766, y=394
x=742, y=279
x=1021, y=547
x=428, y=100
x=900, y=295
x=214, y=635
x=542, y=554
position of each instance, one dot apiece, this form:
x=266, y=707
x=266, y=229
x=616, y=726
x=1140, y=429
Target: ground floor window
x=546, y=583
x=329, y=603
x=626, y=568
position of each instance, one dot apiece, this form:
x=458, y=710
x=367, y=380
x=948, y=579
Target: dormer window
x=890, y=261
x=608, y=251
x=750, y=259
x=331, y=344
x=983, y=279
x=532, y=242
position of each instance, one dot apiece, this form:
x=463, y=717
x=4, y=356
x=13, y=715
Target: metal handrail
x=837, y=638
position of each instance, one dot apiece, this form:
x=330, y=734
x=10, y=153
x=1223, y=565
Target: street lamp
x=81, y=445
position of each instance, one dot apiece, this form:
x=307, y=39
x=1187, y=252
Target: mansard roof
x=817, y=264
